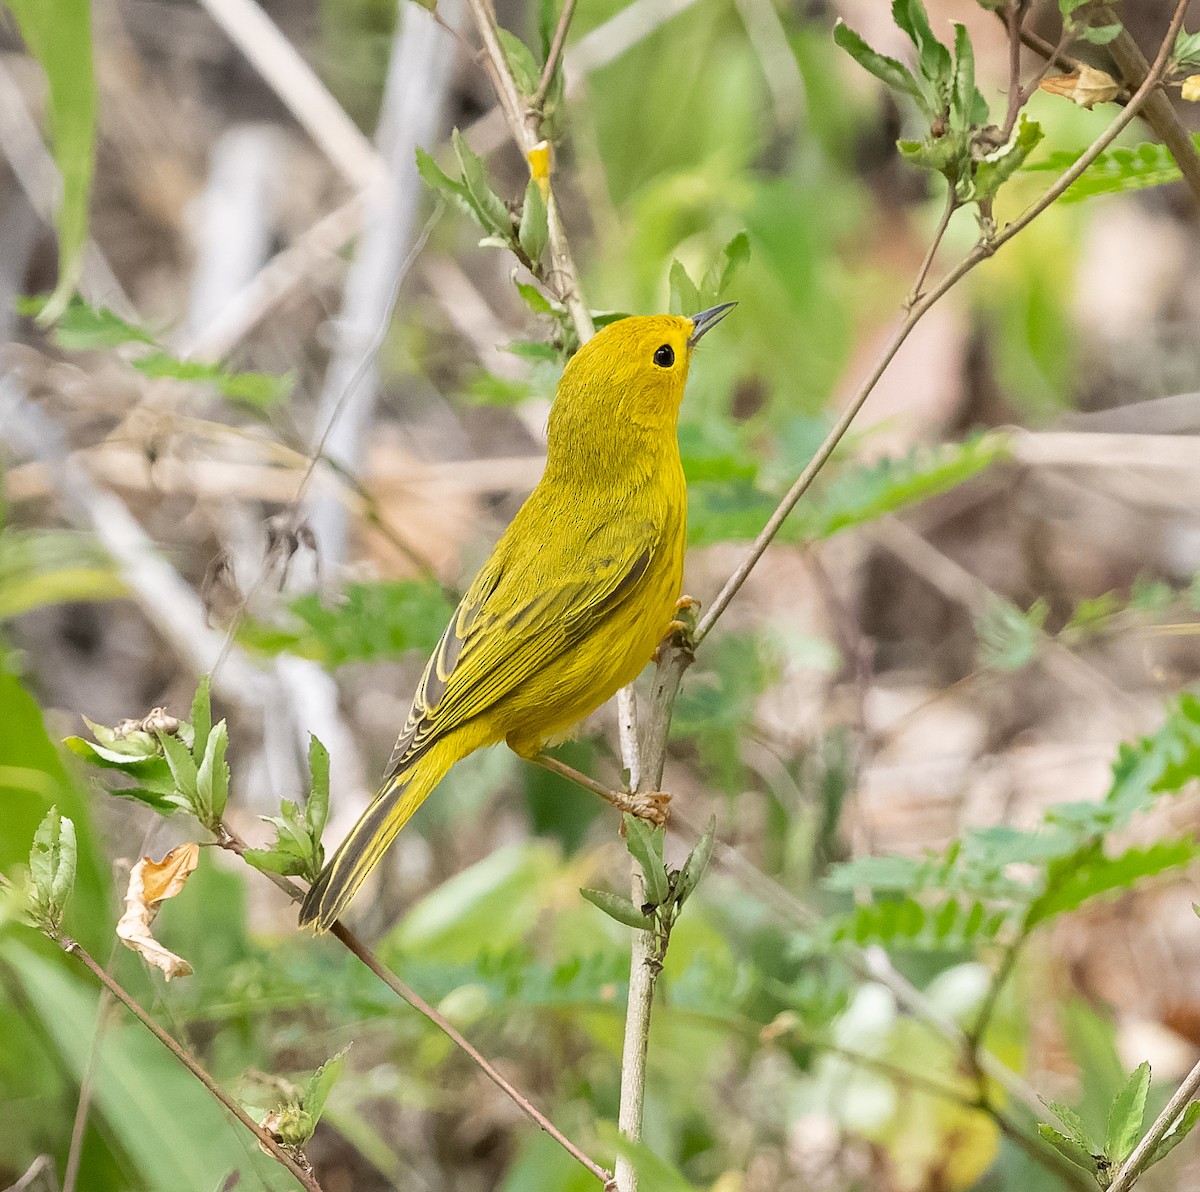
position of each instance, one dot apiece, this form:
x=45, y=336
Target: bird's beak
x=706, y=320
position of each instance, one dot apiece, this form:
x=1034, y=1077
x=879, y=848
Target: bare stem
x=984, y=249
x=1140, y=1159
x=234, y=843
x=302, y=1173
x=1014, y=18
x=538, y=98
x=936, y=243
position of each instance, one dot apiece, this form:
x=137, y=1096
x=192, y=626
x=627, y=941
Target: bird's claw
x=681, y=627
x=651, y=806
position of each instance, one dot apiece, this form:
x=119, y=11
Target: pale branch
x=952, y=205
x=231, y=841
x=1139, y=1160
x=553, y=55
x=982, y=251
x=279, y=1153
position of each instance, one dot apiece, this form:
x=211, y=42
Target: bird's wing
x=493, y=644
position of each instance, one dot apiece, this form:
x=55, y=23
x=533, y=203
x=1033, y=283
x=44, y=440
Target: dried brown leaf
x=1084, y=86
x=150, y=884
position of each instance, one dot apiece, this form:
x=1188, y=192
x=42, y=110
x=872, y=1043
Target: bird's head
x=631, y=374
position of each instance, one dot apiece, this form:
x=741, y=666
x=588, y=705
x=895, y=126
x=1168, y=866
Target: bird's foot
x=651, y=806
x=681, y=627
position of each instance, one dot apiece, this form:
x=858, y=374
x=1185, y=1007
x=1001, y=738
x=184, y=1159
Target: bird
x=574, y=600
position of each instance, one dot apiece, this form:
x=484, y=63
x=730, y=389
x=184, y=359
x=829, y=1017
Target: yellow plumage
x=573, y=601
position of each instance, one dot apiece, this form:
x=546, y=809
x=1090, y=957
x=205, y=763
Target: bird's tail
x=367, y=841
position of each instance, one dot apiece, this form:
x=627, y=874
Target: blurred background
x=994, y=586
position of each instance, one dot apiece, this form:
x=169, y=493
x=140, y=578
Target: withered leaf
x=1084, y=86
x=150, y=884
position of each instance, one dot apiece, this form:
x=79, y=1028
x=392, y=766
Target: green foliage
x=294, y=1121
x=52, y=870
x=173, y=765
x=688, y=298
x=960, y=144
x=42, y=567
x=80, y=327
x=60, y=37
x=1115, y=171
x=297, y=850
x=1008, y=637
x=724, y=503
x=1187, y=49
x=371, y=622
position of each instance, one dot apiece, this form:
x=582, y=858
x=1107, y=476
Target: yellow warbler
x=575, y=598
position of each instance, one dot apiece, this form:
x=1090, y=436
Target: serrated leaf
x=1076, y=1128
x=534, y=230
x=887, y=70
x=721, y=272
x=1187, y=50
x=494, y=216
x=1069, y=1149
x=1079, y=876
x=963, y=107
x=52, y=862
x=82, y=327
x=685, y=297
x=645, y=846
x=183, y=769
x=201, y=717
x=1008, y=637
x=1116, y=171
x=696, y=863
x=316, y=1092
x=212, y=778
x=618, y=907
x=1126, y=1116
x=1182, y=1128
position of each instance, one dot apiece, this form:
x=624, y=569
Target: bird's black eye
x=664, y=357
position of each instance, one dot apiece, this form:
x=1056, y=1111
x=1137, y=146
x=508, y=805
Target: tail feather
x=366, y=843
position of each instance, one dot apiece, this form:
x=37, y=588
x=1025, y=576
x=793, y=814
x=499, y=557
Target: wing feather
x=491, y=645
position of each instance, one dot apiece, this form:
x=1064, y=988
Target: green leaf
x=722, y=271
x=1126, y=1116
x=533, y=297
x=1079, y=876
x=184, y=773
x=685, y=297
x=617, y=906
x=59, y=35
x=1098, y=35
x=493, y=214
x=935, y=60
x=442, y=184
x=256, y=389
x=212, y=779
x=52, y=863
x=316, y=1092
x=1074, y=1124
x=201, y=716
x=964, y=109
x=521, y=61
x=696, y=863
x=1008, y=638
x=39, y=568
x=1069, y=1149
x=645, y=845
x=998, y=167
x=534, y=230
x=1117, y=171
x=1067, y=7
x=316, y=809
x=1187, y=50
x=887, y=70
x=81, y=327
x=1174, y=1136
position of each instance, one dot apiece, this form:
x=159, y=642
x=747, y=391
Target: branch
x=234, y=843
x=984, y=249
x=553, y=56
x=280, y=1154
x=1140, y=1159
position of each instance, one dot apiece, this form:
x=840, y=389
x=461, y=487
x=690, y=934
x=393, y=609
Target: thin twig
x=538, y=98
x=1014, y=18
x=948, y=211
x=281, y=1155
x=981, y=252
x=230, y=840
x=1140, y=1159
